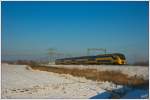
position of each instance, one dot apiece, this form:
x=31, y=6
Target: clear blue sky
x=33, y=27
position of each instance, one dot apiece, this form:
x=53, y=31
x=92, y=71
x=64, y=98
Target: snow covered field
x=20, y=82
x=139, y=71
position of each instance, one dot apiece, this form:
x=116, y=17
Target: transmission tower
x=96, y=49
x=51, y=52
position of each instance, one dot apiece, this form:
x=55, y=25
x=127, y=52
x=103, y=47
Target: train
x=108, y=59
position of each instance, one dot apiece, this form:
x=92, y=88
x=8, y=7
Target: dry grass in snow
x=94, y=74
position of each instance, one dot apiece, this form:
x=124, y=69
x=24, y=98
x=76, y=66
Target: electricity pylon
x=51, y=52
x=96, y=49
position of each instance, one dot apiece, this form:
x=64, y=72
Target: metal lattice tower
x=51, y=52
x=96, y=49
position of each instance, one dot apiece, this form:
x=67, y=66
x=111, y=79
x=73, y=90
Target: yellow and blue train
x=110, y=59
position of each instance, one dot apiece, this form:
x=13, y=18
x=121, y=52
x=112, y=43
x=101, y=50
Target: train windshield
x=121, y=56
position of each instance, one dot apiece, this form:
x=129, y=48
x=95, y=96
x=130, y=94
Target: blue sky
x=30, y=28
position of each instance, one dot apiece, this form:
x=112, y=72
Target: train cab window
x=122, y=56
x=114, y=57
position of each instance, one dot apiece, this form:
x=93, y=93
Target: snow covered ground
x=19, y=82
x=139, y=71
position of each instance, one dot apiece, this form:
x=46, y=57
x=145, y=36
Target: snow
x=125, y=92
x=138, y=71
x=136, y=94
x=104, y=95
x=20, y=82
